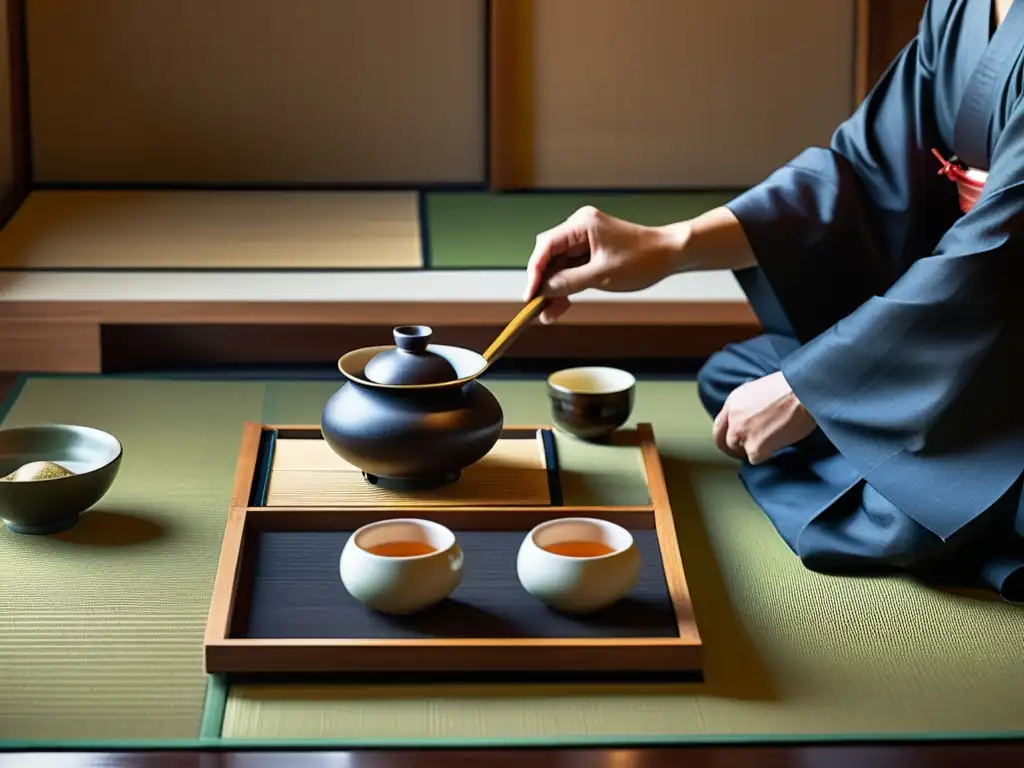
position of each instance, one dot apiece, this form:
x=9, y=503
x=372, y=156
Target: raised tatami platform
x=73, y=263
x=138, y=230
x=143, y=230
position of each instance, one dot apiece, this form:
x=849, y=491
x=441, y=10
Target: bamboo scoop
x=529, y=312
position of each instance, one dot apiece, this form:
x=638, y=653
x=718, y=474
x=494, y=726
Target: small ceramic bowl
x=53, y=505
x=401, y=566
x=558, y=565
x=591, y=402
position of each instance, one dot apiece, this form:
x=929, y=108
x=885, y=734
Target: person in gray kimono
x=878, y=419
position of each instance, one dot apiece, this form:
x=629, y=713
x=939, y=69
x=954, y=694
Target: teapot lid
x=410, y=362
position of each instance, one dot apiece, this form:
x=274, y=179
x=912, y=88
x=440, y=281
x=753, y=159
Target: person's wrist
x=714, y=240
x=674, y=240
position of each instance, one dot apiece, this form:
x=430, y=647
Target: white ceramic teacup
x=569, y=582
x=399, y=582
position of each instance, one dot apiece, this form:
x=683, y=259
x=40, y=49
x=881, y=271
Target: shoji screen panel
x=249, y=91
x=685, y=93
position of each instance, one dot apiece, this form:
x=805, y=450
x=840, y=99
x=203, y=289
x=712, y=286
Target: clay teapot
x=412, y=416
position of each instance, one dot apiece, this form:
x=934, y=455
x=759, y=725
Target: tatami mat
x=213, y=230
x=789, y=652
x=102, y=630
x=472, y=230
x=101, y=627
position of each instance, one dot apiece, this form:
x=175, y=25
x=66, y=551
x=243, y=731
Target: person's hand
x=761, y=417
x=591, y=249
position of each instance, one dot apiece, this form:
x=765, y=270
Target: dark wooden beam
x=884, y=27
x=21, y=152
x=510, y=88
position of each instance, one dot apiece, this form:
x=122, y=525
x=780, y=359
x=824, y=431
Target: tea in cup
x=578, y=564
x=401, y=566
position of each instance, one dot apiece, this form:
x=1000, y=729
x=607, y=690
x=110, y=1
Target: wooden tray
x=297, y=468
x=278, y=604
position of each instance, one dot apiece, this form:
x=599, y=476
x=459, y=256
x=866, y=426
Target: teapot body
x=412, y=438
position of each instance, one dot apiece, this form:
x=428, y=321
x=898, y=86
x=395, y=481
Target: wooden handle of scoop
x=532, y=309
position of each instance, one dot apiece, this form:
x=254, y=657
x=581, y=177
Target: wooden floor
x=991, y=755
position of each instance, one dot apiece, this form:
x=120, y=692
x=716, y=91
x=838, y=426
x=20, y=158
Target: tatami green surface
x=788, y=652
x=473, y=230
x=102, y=627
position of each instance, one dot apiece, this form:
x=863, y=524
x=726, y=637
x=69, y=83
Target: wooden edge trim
x=245, y=468
x=664, y=521
x=457, y=642
x=225, y=587
x=52, y=344
x=502, y=655
x=862, y=50
x=634, y=509
x=510, y=432
x=510, y=94
x=292, y=428
x=458, y=517
x=370, y=313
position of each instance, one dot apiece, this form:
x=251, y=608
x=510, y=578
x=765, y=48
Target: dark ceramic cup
x=591, y=402
x=50, y=506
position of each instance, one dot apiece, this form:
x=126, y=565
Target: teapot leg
x=424, y=483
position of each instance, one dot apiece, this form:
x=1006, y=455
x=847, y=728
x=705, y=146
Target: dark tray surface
x=297, y=593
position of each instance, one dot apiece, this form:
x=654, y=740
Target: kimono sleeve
x=920, y=386
x=830, y=228
x=908, y=313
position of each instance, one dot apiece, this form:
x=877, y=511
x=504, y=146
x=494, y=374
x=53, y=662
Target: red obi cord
x=969, y=186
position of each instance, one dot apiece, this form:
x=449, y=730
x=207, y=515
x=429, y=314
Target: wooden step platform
x=261, y=277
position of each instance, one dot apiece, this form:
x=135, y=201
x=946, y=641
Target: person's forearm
x=711, y=241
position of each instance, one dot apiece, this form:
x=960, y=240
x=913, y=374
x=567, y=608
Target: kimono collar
x=978, y=103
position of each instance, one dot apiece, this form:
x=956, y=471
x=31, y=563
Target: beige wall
x=6, y=137
x=627, y=92
x=685, y=92
x=257, y=90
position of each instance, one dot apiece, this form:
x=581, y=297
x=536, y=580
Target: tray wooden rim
x=225, y=654
x=258, y=486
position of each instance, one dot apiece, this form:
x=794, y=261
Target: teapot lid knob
x=409, y=361
x=412, y=338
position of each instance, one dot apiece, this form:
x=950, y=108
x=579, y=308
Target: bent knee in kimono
x=736, y=364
